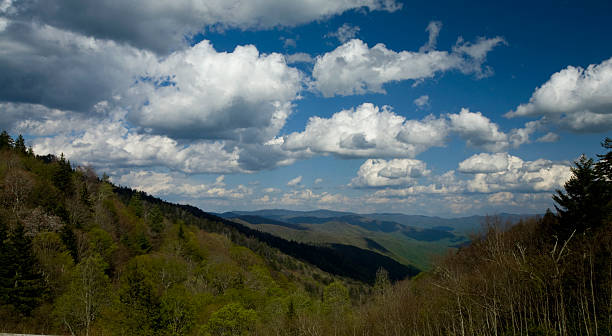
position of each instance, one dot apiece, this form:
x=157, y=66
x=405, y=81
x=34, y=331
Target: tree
x=156, y=220
x=6, y=142
x=88, y=293
x=177, y=311
x=62, y=178
x=139, y=304
x=135, y=205
x=231, y=319
x=584, y=203
x=336, y=301
x=21, y=283
x=20, y=146
x=604, y=166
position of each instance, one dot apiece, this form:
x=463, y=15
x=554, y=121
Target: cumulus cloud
x=576, y=98
x=367, y=131
x=295, y=181
x=378, y=132
x=490, y=163
x=480, y=132
x=59, y=69
x=422, y=101
x=381, y=173
x=162, y=26
x=163, y=184
x=355, y=68
x=111, y=143
x=503, y=172
x=344, y=33
x=202, y=93
x=308, y=197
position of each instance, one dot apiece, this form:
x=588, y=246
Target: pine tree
x=585, y=202
x=22, y=284
x=6, y=142
x=20, y=146
x=62, y=177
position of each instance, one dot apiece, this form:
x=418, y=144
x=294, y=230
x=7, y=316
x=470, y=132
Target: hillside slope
x=80, y=255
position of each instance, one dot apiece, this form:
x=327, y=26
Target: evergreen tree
x=62, y=178
x=604, y=166
x=585, y=203
x=139, y=306
x=22, y=284
x=20, y=146
x=6, y=142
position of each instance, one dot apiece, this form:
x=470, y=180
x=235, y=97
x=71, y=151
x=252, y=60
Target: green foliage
x=156, y=220
x=21, y=284
x=87, y=295
x=62, y=178
x=178, y=311
x=336, y=298
x=135, y=205
x=101, y=243
x=139, y=306
x=20, y=146
x=55, y=261
x=232, y=319
x=585, y=203
x=6, y=142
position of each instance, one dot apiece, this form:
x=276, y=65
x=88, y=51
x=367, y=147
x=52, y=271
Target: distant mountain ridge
x=409, y=239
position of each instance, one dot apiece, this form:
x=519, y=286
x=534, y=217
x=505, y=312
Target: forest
x=82, y=256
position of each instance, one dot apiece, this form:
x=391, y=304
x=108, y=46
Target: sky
x=447, y=109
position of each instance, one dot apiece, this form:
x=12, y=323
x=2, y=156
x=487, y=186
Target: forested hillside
x=82, y=256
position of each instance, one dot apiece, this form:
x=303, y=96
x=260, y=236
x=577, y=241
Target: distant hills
x=409, y=239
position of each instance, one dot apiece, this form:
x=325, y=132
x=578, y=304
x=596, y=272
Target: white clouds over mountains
x=486, y=173
x=378, y=132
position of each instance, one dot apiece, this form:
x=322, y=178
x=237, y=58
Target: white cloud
x=318, y=180
x=110, y=143
x=295, y=181
x=354, y=68
x=503, y=172
x=367, y=131
x=503, y=197
x=299, y=58
x=422, y=101
x=479, y=131
x=576, y=98
x=308, y=197
x=242, y=95
x=165, y=184
x=163, y=25
x=549, y=137
x=59, y=69
x=344, y=33
x=381, y=173
x=490, y=163
x=433, y=29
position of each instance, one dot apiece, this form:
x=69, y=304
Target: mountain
x=80, y=255
x=409, y=239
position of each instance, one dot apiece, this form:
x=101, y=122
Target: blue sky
x=445, y=109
